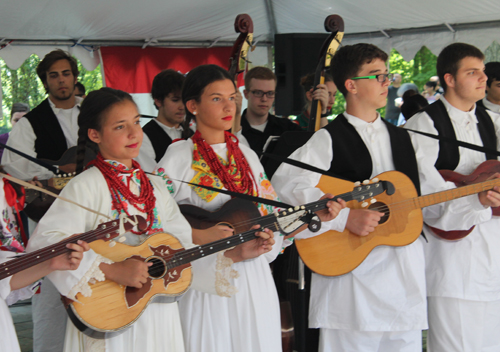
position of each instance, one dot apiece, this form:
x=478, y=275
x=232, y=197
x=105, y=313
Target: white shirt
x=22, y=137
x=386, y=292
x=491, y=106
x=147, y=155
x=467, y=268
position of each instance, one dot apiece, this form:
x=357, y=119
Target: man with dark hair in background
x=51, y=128
x=167, y=126
x=492, y=99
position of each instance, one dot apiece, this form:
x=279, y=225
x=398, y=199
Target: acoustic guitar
x=170, y=275
x=336, y=253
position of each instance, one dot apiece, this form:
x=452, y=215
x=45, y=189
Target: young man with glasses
x=463, y=281
x=380, y=305
x=256, y=122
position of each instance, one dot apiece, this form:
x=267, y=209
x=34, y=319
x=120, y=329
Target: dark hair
x=492, y=70
x=80, y=87
x=432, y=84
x=449, y=59
x=412, y=105
x=50, y=59
x=259, y=72
x=348, y=61
x=194, y=86
x=19, y=107
x=92, y=112
x=166, y=82
x=409, y=93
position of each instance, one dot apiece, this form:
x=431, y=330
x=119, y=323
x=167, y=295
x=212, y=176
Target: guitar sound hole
x=381, y=207
x=158, y=269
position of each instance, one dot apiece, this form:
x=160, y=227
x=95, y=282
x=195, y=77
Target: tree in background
x=24, y=86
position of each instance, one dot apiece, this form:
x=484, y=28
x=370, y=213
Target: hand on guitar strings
x=362, y=221
x=263, y=243
x=130, y=272
x=491, y=198
x=67, y=261
x=332, y=209
x=212, y=234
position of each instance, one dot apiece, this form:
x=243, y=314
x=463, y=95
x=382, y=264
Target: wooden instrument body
x=238, y=213
x=122, y=305
x=336, y=253
x=484, y=171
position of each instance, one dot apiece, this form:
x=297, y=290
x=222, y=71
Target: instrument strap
x=52, y=168
x=458, y=143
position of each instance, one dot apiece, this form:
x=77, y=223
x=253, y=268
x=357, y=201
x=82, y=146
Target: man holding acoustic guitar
x=381, y=304
x=463, y=285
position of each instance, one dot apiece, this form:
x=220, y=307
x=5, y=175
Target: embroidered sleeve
x=166, y=179
x=223, y=274
x=93, y=275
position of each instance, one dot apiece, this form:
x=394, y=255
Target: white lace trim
x=223, y=273
x=93, y=275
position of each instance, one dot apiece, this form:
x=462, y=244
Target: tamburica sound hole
x=158, y=269
x=381, y=207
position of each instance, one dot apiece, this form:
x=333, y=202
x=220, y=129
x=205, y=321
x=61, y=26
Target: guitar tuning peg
x=112, y=243
x=122, y=239
x=373, y=200
x=290, y=210
x=375, y=180
x=364, y=204
x=357, y=183
x=365, y=182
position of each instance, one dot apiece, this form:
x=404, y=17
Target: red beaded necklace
x=241, y=181
x=144, y=202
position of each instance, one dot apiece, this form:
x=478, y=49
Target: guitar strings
x=29, y=259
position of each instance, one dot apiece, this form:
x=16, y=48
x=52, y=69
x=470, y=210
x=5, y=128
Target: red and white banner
x=132, y=69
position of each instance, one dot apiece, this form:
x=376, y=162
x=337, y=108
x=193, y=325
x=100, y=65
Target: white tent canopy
x=39, y=26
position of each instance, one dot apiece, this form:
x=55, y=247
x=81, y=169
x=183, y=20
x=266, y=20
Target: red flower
x=206, y=181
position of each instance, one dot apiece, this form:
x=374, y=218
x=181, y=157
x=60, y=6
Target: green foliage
x=24, y=86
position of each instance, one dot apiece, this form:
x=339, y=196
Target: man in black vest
x=256, y=122
x=51, y=128
x=492, y=99
x=463, y=285
x=167, y=126
x=380, y=305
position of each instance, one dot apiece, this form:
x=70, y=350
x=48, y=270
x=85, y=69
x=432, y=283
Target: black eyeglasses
x=380, y=78
x=260, y=93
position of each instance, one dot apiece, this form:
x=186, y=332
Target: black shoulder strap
x=158, y=137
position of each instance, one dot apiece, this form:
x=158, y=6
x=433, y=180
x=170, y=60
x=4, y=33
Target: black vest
x=449, y=155
x=352, y=160
x=158, y=137
x=50, y=142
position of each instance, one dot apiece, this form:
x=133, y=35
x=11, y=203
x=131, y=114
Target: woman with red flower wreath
x=117, y=185
x=249, y=320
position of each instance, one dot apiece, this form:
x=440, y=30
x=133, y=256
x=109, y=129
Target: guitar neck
x=459, y=192
x=198, y=252
x=25, y=261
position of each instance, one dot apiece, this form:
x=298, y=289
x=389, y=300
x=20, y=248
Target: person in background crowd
x=392, y=109
x=324, y=92
x=80, y=90
x=430, y=92
x=256, y=122
x=18, y=110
